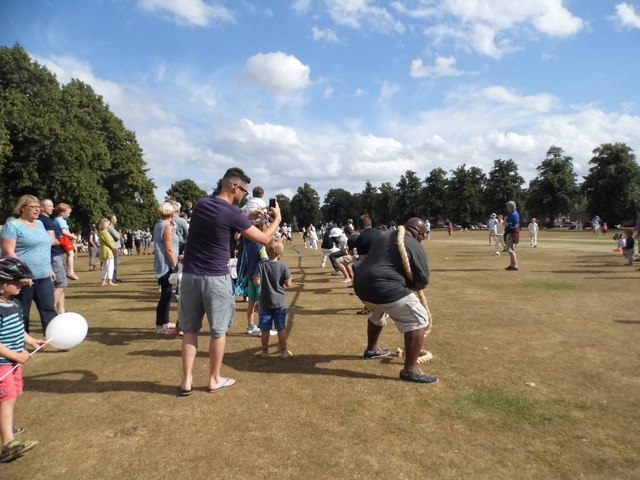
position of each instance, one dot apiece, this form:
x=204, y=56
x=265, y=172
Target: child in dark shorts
x=273, y=276
x=12, y=355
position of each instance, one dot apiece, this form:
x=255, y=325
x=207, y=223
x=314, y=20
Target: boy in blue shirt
x=273, y=276
x=12, y=355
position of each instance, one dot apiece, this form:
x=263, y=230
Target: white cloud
x=193, y=12
x=326, y=35
x=443, y=67
x=536, y=103
x=277, y=71
x=359, y=92
x=328, y=92
x=627, y=15
x=359, y=13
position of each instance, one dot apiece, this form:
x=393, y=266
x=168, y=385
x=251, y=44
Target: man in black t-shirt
x=382, y=283
x=60, y=281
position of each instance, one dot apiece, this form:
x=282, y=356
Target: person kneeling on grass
x=12, y=355
x=273, y=276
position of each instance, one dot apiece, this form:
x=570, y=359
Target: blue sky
x=337, y=92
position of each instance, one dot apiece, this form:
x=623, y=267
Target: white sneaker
x=253, y=330
x=497, y=254
x=273, y=333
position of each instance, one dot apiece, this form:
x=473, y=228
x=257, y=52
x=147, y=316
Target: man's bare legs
x=216, y=354
x=189, y=351
x=413, y=342
x=58, y=300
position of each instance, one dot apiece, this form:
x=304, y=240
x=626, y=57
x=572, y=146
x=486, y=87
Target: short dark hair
x=364, y=222
x=232, y=175
x=258, y=192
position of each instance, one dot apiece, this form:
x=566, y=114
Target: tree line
x=62, y=142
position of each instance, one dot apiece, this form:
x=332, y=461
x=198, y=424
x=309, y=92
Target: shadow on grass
x=630, y=322
x=85, y=381
x=123, y=336
x=249, y=361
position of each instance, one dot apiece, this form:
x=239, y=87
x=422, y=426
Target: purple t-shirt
x=211, y=229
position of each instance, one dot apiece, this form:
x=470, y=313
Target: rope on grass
x=425, y=355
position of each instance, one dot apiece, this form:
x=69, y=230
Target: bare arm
x=9, y=247
x=255, y=235
x=167, y=236
x=288, y=282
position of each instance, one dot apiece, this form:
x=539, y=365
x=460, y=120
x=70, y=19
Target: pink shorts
x=11, y=385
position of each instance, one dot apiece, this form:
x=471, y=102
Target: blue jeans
x=42, y=293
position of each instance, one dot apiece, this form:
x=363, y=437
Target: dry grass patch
x=566, y=322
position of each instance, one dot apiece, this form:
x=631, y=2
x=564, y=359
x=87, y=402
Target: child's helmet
x=13, y=269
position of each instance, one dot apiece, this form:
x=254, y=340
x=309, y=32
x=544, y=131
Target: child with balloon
x=12, y=354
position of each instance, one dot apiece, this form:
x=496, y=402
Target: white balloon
x=66, y=330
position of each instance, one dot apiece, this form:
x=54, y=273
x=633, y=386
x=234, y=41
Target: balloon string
x=17, y=364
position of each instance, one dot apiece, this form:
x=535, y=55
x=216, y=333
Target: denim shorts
x=272, y=317
x=210, y=295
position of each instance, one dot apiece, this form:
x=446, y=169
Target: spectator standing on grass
x=117, y=246
x=93, y=241
x=13, y=274
x=108, y=253
x=60, y=281
x=272, y=276
x=629, y=247
x=595, y=226
x=450, y=229
x=26, y=239
x=533, y=232
x=382, y=283
x=492, y=225
x=499, y=236
x=165, y=260
x=512, y=234
x=206, y=286
x=146, y=242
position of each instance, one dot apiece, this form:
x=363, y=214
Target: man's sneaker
x=264, y=354
x=378, y=352
x=285, y=354
x=253, y=330
x=273, y=333
x=417, y=377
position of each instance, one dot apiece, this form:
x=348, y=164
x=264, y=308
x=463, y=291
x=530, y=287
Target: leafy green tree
x=367, y=201
x=285, y=209
x=554, y=192
x=465, y=195
x=339, y=205
x=435, y=193
x=186, y=191
x=385, y=206
x=504, y=183
x=305, y=206
x=65, y=144
x=409, y=197
x=612, y=186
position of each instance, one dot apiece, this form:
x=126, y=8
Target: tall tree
x=65, y=144
x=305, y=206
x=367, y=201
x=435, y=191
x=465, y=193
x=409, y=197
x=504, y=183
x=386, y=204
x=339, y=205
x=285, y=208
x=612, y=186
x=186, y=191
x=554, y=192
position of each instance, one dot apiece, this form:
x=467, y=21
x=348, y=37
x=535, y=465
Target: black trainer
x=417, y=377
x=378, y=352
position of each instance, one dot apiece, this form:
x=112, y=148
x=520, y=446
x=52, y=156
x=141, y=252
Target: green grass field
x=538, y=379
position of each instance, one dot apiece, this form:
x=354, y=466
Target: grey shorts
x=202, y=295
x=408, y=313
x=57, y=265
